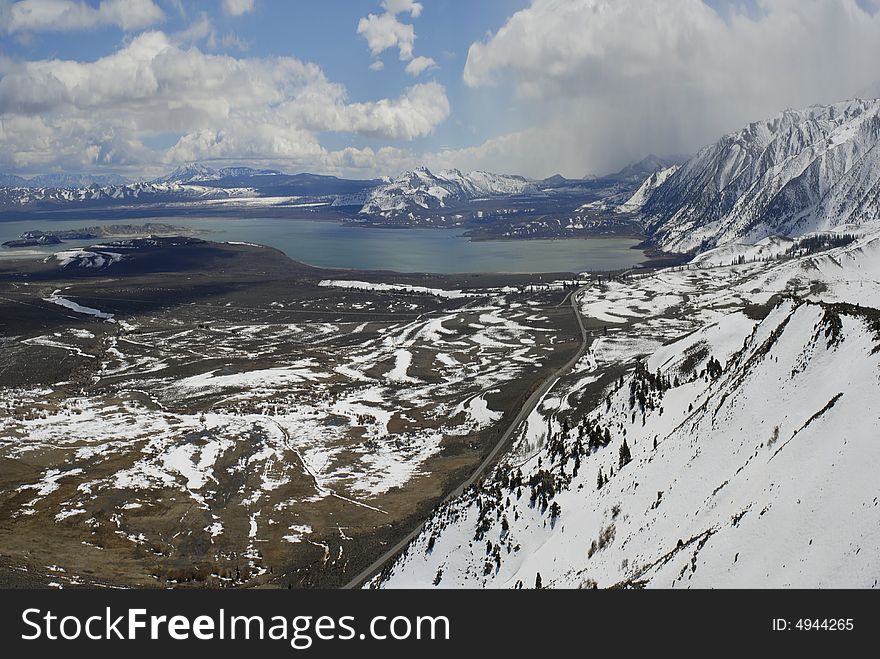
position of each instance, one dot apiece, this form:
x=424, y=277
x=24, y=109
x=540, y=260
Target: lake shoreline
x=336, y=245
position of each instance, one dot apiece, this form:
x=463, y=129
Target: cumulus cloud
x=385, y=31
x=419, y=65
x=78, y=114
x=71, y=15
x=395, y=7
x=617, y=79
x=238, y=7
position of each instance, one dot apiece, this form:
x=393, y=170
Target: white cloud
x=378, y=65
x=238, y=7
x=80, y=114
x=385, y=31
x=616, y=79
x=70, y=15
x=203, y=30
x=410, y=7
x=419, y=65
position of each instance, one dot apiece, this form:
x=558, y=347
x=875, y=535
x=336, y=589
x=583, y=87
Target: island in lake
x=39, y=238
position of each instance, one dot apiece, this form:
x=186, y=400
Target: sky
x=364, y=88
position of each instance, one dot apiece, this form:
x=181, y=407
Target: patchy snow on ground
x=749, y=410
x=61, y=301
x=400, y=288
x=89, y=259
x=249, y=426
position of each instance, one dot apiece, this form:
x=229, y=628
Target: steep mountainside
x=731, y=442
x=646, y=189
x=798, y=172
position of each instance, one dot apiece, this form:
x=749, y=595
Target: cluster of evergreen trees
x=595, y=435
x=821, y=243
x=714, y=368
x=833, y=327
x=644, y=385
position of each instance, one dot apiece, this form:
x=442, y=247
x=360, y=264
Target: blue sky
x=373, y=87
x=324, y=32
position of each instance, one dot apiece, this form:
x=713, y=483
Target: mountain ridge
x=420, y=189
x=797, y=172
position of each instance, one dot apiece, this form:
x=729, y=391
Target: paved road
x=527, y=408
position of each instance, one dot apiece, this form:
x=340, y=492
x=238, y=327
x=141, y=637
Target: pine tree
x=538, y=583
x=625, y=455
x=601, y=480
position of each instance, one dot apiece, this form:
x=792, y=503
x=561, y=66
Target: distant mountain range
x=198, y=173
x=188, y=184
x=69, y=181
x=412, y=192
x=420, y=189
x=797, y=172
x=132, y=193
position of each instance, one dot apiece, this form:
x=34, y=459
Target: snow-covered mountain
x=646, y=189
x=797, y=172
x=646, y=167
x=245, y=172
x=24, y=197
x=625, y=191
x=198, y=173
x=721, y=433
x=189, y=173
x=193, y=184
x=420, y=190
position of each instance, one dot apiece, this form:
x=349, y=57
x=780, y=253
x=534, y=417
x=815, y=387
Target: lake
x=335, y=245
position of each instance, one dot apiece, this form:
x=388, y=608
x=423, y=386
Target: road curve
x=527, y=408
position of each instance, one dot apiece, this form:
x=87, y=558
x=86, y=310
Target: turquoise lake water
x=335, y=245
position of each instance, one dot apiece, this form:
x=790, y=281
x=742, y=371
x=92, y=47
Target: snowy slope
x=420, y=189
x=759, y=385
x=768, y=248
x=646, y=189
x=800, y=171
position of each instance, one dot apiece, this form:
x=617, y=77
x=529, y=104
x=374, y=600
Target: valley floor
x=249, y=424
x=247, y=421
